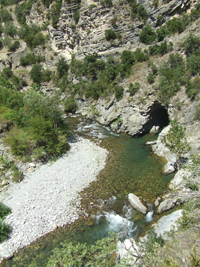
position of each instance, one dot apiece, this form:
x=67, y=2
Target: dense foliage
x=39, y=128
x=102, y=253
x=4, y=228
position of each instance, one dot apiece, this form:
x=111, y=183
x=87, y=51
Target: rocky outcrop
x=88, y=35
x=124, y=116
x=136, y=203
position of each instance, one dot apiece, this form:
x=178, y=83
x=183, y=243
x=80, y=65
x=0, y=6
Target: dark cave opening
x=158, y=118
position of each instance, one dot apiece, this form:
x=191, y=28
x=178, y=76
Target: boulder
x=178, y=178
x=136, y=203
x=169, y=167
x=167, y=204
x=167, y=223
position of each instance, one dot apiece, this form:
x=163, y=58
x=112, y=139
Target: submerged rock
x=136, y=203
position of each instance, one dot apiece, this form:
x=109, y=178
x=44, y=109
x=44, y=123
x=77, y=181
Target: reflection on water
x=130, y=168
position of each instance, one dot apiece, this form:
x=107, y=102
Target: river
x=131, y=168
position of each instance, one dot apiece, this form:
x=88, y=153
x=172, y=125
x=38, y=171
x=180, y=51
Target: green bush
x=133, y=88
x=193, y=63
x=134, y=9
x=76, y=16
x=4, y=231
x=10, y=29
x=192, y=87
x=62, y=67
x=142, y=12
x=150, y=78
x=5, y=15
x=70, y=105
x=193, y=186
x=4, y=211
x=147, y=35
x=110, y=35
x=13, y=47
x=119, y=90
x=36, y=73
x=55, y=12
x=139, y=56
x=102, y=253
x=192, y=44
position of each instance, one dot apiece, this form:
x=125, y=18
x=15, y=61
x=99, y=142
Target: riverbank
x=48, y=198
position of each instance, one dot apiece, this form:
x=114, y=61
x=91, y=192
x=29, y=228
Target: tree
x=176, y=141
x=62, y=67
x=36, y=73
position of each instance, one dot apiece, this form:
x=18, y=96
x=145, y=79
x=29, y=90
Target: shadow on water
x=131, y=168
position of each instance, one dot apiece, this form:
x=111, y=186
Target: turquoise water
x=131, y=168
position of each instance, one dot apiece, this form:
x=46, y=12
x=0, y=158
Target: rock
x=167, y=223
x=149, y=143
x=154, y=129
x=169, y=167
x=33, y=165
x=126, y=250
x=157, y=202
x=136, y=203
x=178, y=178
x=167, y=204
x=5, y=253
x=31, y=169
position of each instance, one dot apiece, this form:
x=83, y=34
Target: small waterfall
x=149, y=215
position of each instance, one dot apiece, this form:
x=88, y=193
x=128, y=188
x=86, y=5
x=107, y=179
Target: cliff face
x=136, y=114
x=88, y=36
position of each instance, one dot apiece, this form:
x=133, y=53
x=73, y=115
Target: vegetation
x=102, y=253
x=176, y=142
x=4, y=228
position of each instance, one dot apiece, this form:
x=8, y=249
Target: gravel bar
x=48, y=197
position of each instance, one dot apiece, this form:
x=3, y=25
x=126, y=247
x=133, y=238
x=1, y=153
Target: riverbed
x=131, y=167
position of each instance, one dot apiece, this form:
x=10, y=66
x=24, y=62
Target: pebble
x=45, y=201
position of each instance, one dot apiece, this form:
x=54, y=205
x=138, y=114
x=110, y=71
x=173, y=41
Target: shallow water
x=131, y=168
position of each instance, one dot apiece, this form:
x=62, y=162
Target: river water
x=131, y=168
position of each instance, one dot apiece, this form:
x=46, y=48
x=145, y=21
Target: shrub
x=4, y=210
x=192, y=44
x=70, y=105
x=13, y=47
x=36, y=73
x=147, y=35
x=62, y=67
x=55, y=12
x=110, y=35
x=142, y=12
x=4, y=231
x=133, y=88
x=28, y=59
x=139, y=56
x=5, y=15
x=193, y=186
x=76, y=16
x=150, y=78
x=192, y=88
x=119, y=90
x=10, y=29
x=102, y=253
x=134, y=10
x=193, y=63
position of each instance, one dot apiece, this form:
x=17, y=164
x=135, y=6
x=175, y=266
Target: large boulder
x=136, y=203
x=167, y=204
x=167, y=223
x=169, y=167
